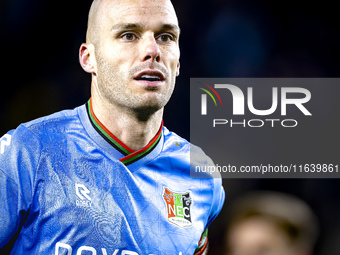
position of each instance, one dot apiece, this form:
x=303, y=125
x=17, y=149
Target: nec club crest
x=178, y=207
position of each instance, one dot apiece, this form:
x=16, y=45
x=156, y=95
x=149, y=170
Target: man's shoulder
x=191, y=153
x=45, y=128
x=171, y=137
x=57, y=119
x=56, y=123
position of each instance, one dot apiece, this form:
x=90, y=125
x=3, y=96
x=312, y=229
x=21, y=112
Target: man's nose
x=150, y=49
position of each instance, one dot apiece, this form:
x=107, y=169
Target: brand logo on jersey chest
x=178, y=206
x=83, y=193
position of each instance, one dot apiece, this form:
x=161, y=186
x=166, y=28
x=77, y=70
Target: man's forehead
x=104, y=14
x=120, y=9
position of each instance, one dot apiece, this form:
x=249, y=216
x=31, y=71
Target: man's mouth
x=150, y=76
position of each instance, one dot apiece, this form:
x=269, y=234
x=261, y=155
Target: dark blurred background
x=40, y=72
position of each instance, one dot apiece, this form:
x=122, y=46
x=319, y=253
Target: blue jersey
x=73, y=188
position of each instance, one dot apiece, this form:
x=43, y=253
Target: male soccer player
x=108, y=177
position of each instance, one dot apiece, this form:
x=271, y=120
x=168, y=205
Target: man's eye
x=129, y=36
x=166, y=38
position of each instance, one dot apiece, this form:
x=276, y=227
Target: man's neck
x=126, y=126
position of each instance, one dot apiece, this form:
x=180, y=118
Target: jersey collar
x=129, y=156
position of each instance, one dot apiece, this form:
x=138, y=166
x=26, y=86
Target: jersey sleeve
x=19, y=156
x=199, y=160
x=216, y=207
x=218, y=200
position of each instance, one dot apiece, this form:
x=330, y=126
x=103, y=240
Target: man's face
x=137, y=53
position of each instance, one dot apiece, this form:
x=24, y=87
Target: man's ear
x=177, y=70
x=87, y=58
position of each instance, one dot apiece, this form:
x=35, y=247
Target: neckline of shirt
x=130, y=156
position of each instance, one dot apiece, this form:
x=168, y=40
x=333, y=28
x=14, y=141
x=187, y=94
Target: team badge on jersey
x=178, y=207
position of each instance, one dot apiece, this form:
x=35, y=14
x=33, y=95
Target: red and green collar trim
x=130, y=156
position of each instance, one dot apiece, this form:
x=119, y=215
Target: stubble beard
x=112, y=85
